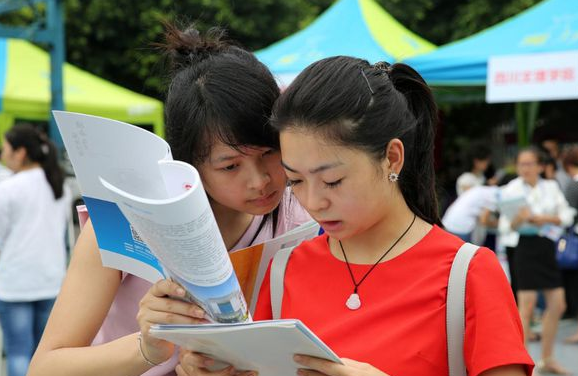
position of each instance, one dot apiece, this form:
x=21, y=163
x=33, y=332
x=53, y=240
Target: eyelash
x=331, y=185
x=293, y=183
x=230, y=167
x=334, y=184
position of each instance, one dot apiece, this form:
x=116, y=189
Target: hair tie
x=383, y=66
x=45, y=149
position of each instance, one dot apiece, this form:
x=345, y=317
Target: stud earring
x=393, y=177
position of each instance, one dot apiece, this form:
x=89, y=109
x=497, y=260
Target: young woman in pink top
x=217, y=110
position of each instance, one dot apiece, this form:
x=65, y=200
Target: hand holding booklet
x=152, y=217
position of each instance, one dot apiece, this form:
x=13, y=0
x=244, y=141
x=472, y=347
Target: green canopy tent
x=25, y=91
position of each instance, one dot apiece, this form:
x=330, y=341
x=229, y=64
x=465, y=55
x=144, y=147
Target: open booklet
x=264, y=346
x=510, y=206
x=152, y=217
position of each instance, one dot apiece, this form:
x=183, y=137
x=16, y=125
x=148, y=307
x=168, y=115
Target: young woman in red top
x=357, y=146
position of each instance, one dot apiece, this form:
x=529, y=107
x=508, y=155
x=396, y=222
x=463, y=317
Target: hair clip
x=367, y=81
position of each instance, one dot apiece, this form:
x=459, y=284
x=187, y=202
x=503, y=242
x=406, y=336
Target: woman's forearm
x=541, y=220
x=117, y=358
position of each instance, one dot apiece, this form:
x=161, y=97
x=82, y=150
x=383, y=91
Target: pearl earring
x=393, y=177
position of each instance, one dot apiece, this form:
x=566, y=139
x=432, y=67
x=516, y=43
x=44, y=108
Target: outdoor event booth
x=528, y=58
x=25, y=91
x=550, y=26
x=358, y=28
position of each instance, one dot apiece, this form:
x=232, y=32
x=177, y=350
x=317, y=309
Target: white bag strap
x=455, y=309
x=277, y=278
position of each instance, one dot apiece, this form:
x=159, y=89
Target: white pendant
x=353, y=302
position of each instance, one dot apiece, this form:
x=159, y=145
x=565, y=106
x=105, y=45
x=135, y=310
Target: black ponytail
x=417, y=179
x=365, y=106
x=39, y=149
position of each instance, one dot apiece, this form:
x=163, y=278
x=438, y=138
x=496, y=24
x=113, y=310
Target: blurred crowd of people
x=521, y=212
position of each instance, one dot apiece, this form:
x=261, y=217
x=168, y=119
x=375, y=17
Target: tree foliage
x=112, y=38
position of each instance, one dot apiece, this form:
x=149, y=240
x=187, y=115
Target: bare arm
x=487, y=219
x=540, y=220
x=82, y=305
x=523, y=216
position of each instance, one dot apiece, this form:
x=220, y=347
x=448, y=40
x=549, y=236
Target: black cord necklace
x=353, y=302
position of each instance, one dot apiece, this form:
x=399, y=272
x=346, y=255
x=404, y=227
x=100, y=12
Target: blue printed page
x=124, y=154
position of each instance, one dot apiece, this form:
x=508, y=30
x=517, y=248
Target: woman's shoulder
x=13, y=184
x=447, y=245
x=22, y=179
x=550, y=184
x=513, y=184
x=440, y=238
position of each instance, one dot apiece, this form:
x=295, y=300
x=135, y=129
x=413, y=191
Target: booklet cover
x=263, y=346
x=152, y=218
x=251, y=263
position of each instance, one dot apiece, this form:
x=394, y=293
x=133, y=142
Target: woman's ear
x=394, y=157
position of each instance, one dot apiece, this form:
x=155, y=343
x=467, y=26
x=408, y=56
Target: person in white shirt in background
x=479, y=160
x=34, y=208
x=531, y=232
x=462, y=216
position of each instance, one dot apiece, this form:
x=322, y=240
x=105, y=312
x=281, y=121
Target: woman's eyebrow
x=223, y=158
x=316, y=169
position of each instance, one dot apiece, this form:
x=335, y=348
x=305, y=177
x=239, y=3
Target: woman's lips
x=331, y=226
x=265, y=200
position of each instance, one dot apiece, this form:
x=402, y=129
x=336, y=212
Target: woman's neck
x=532, y=182
x=232, y=223
x=28, y=166
x=573, y=172
x=477, y=172
x=367, y=247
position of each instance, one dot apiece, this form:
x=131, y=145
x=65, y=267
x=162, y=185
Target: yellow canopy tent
x=25, y=91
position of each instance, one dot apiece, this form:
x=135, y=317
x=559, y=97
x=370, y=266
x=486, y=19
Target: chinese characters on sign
x=532, y=77
x=540, y=75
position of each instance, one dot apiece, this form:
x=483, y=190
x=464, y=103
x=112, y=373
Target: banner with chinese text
x=532, y=77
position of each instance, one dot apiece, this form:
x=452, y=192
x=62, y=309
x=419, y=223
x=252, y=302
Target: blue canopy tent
x=358, y=28
x=458, y=70
x=550, y=26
